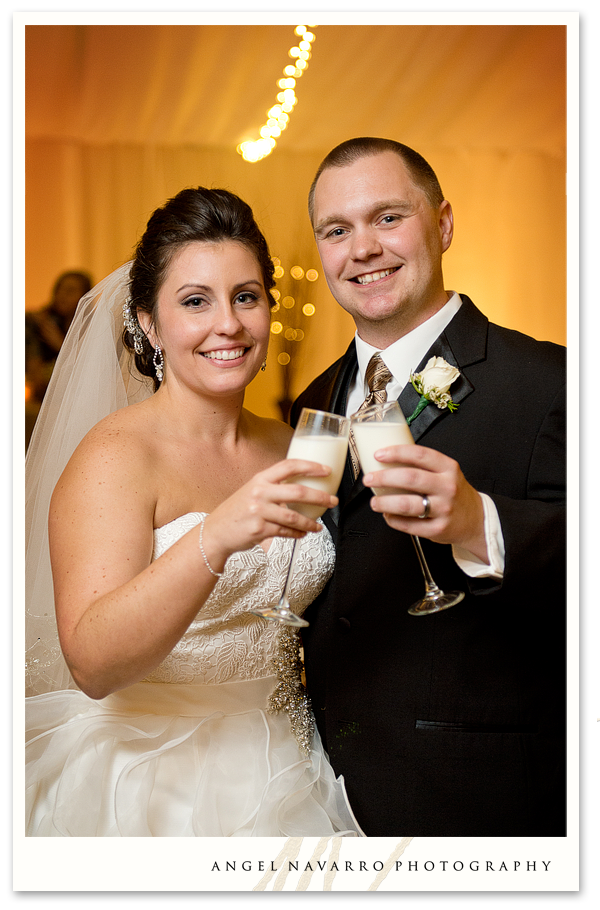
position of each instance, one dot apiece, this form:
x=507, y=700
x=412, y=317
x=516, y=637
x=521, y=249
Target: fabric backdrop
x=120, y=117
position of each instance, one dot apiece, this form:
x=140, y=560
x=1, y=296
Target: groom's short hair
x=351, y=150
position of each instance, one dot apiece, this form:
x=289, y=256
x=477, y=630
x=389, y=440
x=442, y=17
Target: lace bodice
x=226, y=642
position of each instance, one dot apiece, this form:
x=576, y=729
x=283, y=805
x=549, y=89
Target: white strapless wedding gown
x=217, y=742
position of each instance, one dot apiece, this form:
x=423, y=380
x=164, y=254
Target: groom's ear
x=446, y=224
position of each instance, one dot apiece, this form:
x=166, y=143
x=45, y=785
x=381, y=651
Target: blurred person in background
x=45, y=331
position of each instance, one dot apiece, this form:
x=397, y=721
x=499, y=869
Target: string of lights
x=278, y=116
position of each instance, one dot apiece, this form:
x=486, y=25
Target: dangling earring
x=264, y=365
x=159, y=361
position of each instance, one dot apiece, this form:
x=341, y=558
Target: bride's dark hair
x=194, y=214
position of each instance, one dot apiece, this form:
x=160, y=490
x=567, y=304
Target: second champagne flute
x=322, y=437
x=375, y=428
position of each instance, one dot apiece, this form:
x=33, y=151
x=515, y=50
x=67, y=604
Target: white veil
x=93, y=376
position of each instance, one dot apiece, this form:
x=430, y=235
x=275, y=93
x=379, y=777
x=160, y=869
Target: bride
x=182, y=714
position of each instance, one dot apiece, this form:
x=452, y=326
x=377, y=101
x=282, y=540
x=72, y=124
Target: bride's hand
x=259, y=510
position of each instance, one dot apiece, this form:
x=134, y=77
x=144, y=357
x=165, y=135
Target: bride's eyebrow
x=244, y=284
x=193, y=286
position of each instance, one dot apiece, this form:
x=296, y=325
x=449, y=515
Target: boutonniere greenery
x=432, y=384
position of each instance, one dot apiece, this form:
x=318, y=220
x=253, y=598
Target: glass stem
x=430, y=584
x=288, y=578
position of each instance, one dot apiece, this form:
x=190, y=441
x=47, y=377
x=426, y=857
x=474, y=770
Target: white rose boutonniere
x=433, y=384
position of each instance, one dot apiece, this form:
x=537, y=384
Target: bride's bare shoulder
x=127, y=430
x=120, y=446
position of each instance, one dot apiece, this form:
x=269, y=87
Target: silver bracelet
x=204, y=556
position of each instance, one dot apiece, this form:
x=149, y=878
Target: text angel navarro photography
x=440, y=865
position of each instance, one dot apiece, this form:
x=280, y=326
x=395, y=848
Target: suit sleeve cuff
x=494, y=539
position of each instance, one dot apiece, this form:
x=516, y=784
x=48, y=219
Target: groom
x=450, y=724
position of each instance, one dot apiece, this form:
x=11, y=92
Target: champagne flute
x=321, y=437
x=377, y=427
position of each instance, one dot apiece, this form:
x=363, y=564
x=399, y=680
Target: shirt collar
x=403, y=356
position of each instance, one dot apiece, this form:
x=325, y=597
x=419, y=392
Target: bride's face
x=212, y=318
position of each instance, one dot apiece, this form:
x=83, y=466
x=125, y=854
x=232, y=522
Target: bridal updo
x=194, y=214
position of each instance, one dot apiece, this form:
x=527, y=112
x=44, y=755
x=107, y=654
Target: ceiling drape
x=119, y=118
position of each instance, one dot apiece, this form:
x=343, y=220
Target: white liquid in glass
x=329, y=450
x=372, y=435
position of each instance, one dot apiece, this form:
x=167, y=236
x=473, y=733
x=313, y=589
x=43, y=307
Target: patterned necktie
x=377, y=377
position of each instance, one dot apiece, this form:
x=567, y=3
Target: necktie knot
x=377, y=376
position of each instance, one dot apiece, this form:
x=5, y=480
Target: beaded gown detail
x=218, y=741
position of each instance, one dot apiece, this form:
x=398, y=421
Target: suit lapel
x=342, y=381
x=462, y=343
x=409, y=398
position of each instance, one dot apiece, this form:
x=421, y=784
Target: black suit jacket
x=452, y=724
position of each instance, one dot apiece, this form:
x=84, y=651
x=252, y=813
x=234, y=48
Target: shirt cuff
x=470, y=564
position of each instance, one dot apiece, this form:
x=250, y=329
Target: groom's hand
x=456, y=514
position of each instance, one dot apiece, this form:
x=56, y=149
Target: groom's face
x=381, y=245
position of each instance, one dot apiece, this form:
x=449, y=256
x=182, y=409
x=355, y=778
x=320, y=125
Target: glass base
x=282, y=615
x=433, y=603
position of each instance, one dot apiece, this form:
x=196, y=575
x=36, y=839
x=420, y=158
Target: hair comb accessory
x=133, y=327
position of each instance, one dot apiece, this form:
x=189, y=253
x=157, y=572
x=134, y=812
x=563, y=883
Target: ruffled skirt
x=162, y=760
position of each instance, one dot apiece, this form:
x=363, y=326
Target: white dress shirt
x=402, y=358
